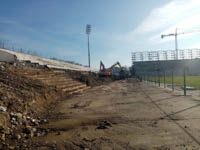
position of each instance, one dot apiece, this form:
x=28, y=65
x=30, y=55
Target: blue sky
x=56, y=28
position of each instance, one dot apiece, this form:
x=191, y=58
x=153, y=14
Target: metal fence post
x=143, y=77
x=150, y=77
x=172, y=80
x=184, y=81
x=156, y=77
x=164, y=79
x=159, y=77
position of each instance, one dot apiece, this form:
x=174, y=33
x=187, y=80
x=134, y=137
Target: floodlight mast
x=88, y=31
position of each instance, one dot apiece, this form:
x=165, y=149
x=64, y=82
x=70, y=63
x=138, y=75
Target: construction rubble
x=26, y=92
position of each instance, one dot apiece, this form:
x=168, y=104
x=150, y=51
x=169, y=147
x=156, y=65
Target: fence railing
x=165, y=55
x=172, y=79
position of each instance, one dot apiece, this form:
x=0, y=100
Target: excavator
x=108, y=72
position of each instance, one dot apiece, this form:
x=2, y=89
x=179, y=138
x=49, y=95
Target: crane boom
x=176, y=40
x=117, y=63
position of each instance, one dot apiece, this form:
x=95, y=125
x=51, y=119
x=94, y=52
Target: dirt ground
x=27, y=92
x=122, y=115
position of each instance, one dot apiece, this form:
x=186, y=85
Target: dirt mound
x=90, y=78
x=17, y=91
x=21, y=100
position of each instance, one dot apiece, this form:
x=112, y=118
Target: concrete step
x=27, y=71
x=68, y=85
x=58, y=82
x=80, y=90
x=59, y=71
x=39, y=72
x=39, y=77
x=73, y=88
x=52, y=77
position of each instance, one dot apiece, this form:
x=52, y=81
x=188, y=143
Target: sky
x=56, y=28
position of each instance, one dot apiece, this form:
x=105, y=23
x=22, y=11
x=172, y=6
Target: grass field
x=193, y=81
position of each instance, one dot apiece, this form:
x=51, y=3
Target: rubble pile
x=24, y=99
x=29, y=64
x=90, y=78
x=21, y=102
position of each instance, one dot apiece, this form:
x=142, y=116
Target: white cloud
x=186, y=27
x=181, y=14
x=169, y=15
x=196, y=45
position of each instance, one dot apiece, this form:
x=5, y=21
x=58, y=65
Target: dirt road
x=123, y=115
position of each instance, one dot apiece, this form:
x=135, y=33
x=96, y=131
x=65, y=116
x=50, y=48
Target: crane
x=176, y=38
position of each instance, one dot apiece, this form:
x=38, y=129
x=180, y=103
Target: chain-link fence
x=184, y=78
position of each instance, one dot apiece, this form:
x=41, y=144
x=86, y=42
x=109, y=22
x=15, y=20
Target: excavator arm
x=115, y=64
x=108, y=72
x=102, y=67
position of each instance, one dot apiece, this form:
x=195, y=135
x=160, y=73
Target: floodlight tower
x=88, y=31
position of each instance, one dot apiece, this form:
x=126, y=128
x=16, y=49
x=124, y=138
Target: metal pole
x=172, y=80
x=176, y=44
x=147, y=77
x=164, y=79
x=143, y=76
x=184, y=81
x=88, y=51
x=159, y=78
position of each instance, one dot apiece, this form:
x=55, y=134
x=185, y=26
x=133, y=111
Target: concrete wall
x=7, y=57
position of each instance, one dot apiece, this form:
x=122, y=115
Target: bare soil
x=126, y=114
x=27, y=93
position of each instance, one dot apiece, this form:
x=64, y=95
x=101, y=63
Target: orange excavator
x=109, y=71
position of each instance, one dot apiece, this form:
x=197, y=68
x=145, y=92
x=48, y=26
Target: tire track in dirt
x=170, y=117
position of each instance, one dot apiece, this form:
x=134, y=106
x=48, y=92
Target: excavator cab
x=103, y=71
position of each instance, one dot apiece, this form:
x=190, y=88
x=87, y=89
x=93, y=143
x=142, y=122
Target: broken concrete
x=26, y=92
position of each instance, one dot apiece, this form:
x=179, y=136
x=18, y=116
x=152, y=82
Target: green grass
x=193, y=81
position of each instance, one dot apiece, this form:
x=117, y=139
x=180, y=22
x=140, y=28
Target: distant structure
x=176, y=34
x=165, y=55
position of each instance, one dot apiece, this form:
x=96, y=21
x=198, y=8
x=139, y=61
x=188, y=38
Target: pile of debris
x=90, y=78
x=21, y=100
x=29, y=64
